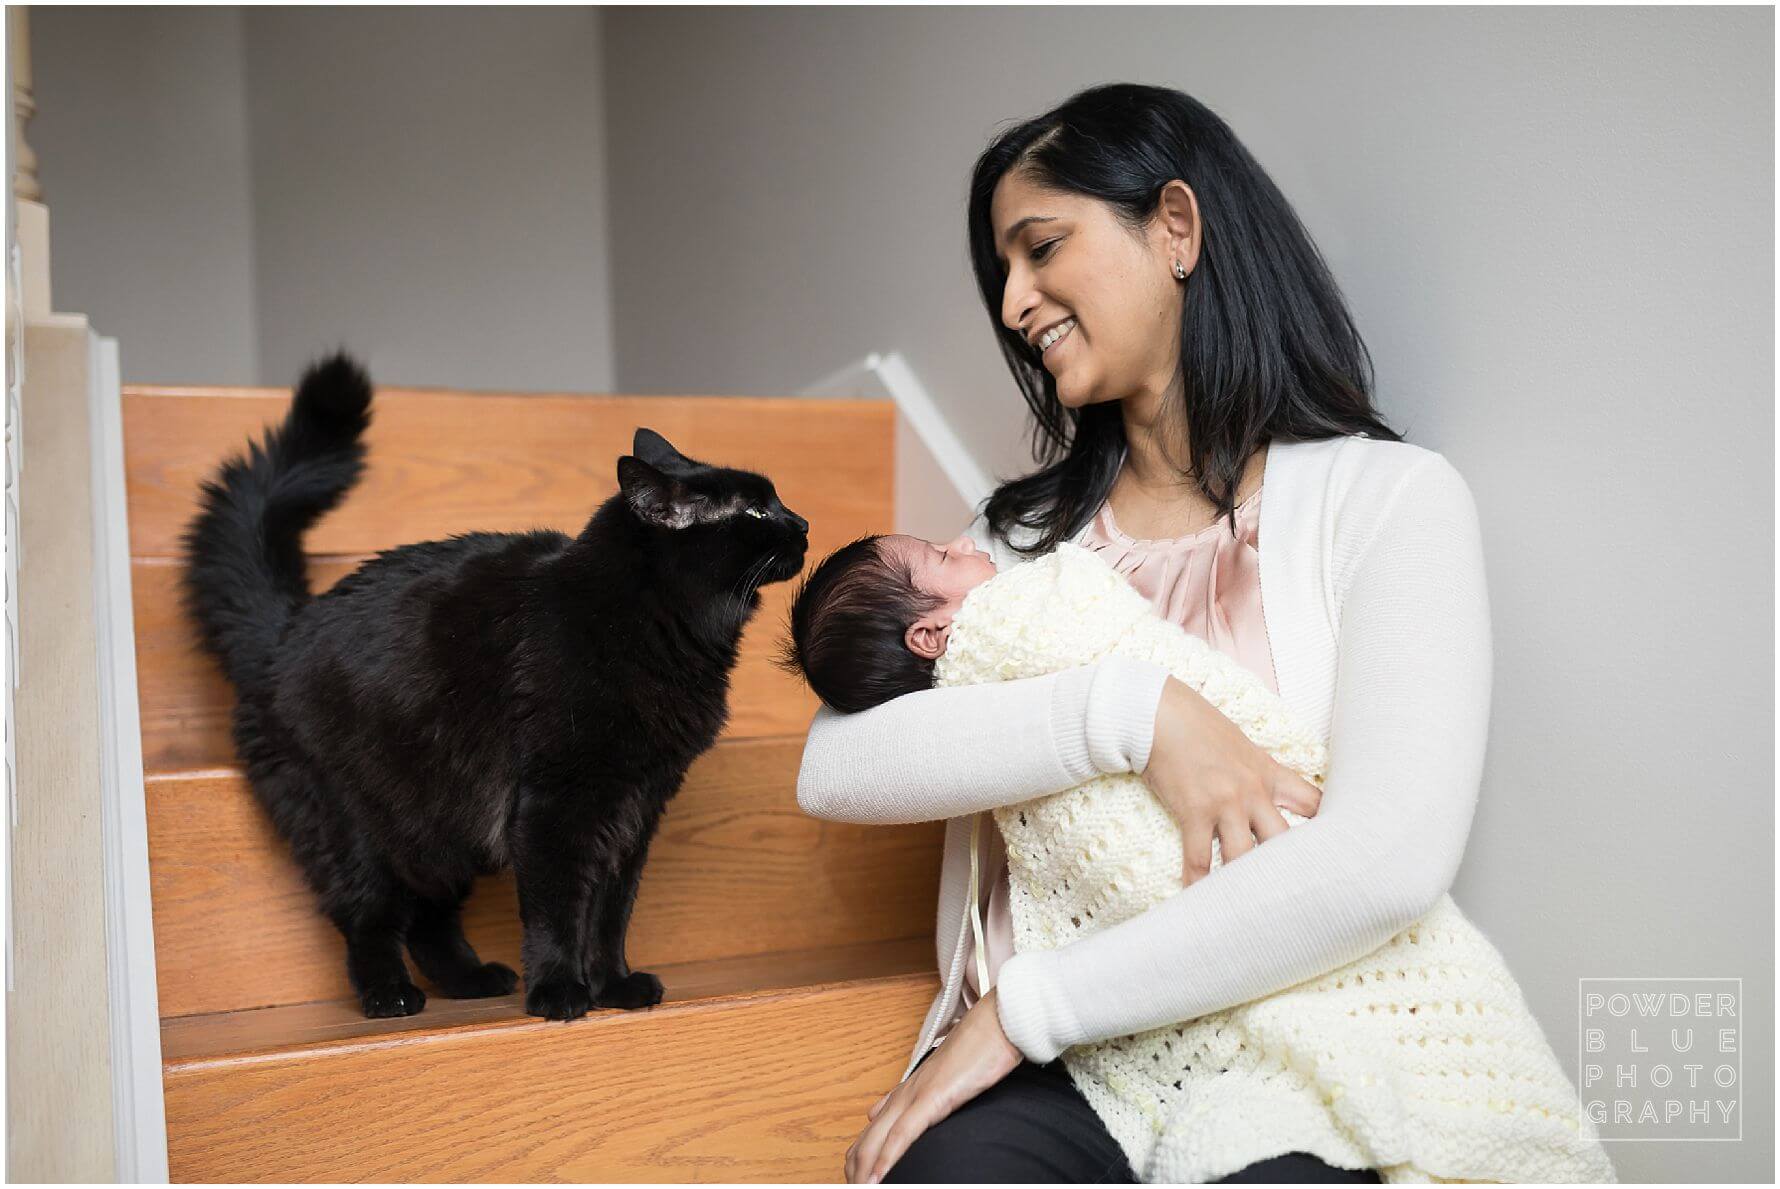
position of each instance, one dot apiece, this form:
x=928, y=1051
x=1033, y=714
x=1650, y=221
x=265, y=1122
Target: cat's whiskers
x=746, y=586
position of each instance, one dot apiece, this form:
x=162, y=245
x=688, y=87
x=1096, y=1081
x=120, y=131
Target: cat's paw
x=487, y=981
x=391, y=999
x=637, y=989
x=558, y=999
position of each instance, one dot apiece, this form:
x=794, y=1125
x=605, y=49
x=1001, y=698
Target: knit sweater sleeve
x=943, y=753
x=1408, y=730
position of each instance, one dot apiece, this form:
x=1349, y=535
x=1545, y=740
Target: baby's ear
x=656, y=498
x=927, y=636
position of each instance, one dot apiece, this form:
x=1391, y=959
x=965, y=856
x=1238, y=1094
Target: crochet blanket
x=1421, y=1060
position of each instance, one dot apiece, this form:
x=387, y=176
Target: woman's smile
x=1054, y=340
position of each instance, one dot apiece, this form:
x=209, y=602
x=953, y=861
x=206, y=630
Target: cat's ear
x=656, y=498
x=658, y=452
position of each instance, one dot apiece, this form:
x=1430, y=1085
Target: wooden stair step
x=186, y=704
x=736, y=868
x=796, y=953
x=754, y=1069
x=454, y=462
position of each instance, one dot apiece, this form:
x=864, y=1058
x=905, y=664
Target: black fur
x=453, y=707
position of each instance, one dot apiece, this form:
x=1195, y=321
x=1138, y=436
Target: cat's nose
x=803, y=526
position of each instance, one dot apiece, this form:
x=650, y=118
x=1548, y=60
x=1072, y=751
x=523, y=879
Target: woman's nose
x=963, y=545
x=1018, y=299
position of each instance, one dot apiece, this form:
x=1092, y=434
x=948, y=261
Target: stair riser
x=186, y=704
x=735, y=869
x=443, y=463
x=772, y=1089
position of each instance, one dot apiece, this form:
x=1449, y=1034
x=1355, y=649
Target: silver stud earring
x=1180, y=273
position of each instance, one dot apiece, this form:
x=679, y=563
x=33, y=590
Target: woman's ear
x=1177, y=216
x=927, y=636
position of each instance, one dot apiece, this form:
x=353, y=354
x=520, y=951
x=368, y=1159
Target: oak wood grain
x=453, y=462
x=228, y=1036
x=771, y=1088
x=735, y=869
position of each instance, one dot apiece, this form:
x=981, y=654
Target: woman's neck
x=1155, y=494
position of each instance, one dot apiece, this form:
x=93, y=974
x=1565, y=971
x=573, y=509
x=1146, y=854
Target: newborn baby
x=873, y=617
x=1420, y=1059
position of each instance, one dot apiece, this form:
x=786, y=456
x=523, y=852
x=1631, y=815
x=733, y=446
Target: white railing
x=939, y=484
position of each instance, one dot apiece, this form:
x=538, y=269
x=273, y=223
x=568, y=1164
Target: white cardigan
x=1377, y=616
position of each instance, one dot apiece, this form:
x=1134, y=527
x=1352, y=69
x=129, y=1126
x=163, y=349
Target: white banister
x=939, y=484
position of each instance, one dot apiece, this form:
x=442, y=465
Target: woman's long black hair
x=1268, y=348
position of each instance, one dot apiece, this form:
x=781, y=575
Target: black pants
x=1036, y=1126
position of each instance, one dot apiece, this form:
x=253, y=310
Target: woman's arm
x=951, y=751
x=1410, y=722
x=946, y=752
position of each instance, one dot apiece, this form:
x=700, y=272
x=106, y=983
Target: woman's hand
x=1212, y=779
x=975, y=1055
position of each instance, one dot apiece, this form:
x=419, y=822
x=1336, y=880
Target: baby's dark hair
x=848, y=623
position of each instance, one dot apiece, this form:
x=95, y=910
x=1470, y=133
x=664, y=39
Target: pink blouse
x=1209, y=583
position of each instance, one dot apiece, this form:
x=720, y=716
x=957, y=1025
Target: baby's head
x=870, y=620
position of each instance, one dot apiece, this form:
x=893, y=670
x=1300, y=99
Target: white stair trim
x=139, y=1110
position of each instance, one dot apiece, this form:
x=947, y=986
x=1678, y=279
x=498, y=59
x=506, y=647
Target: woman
x=1182, y=346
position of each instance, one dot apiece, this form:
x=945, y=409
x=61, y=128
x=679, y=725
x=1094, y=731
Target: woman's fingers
x=1233, y=834
x=1295, y=793
x=1267, y=823
x=907, y=1130
x=1195, y=853
x=867, y=1150
x=864, y=1152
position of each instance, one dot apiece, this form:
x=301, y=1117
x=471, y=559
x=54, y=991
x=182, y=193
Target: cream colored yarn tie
x=976, y=918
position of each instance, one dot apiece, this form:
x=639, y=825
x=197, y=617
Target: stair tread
x=193, y=1041
x=736, y=867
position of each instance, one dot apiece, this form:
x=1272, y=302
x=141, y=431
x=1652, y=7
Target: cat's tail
x=244, y=577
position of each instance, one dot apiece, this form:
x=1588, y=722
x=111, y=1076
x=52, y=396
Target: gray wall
x=141, y=138
x=430, y=185
x=1555, y=229
x=234, y=191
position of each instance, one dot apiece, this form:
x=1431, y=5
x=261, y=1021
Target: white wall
x=141, y=139
x=1555, y=229
x=236, y=190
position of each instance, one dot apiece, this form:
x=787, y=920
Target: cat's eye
x=756, y=513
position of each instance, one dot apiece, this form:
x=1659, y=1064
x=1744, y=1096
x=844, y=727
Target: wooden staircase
x=796, y=953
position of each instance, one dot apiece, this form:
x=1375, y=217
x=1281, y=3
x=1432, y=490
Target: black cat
x=456, y=706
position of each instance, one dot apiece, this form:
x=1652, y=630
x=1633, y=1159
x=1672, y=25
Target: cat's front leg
x=619, y=986
x=550, y=853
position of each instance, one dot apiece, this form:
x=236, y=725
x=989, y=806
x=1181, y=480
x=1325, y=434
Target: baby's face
x=948, y=571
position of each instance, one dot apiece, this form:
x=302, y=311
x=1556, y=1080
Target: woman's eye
x=1043, y=251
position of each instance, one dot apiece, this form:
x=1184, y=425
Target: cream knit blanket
x=1421, y=1059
